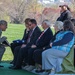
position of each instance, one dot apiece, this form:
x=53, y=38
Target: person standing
x=65, y=13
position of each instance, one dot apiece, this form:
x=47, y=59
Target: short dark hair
x=68, y=25
x=33, y=21
x=65, y=6
x=3, y=22
x=27, y=20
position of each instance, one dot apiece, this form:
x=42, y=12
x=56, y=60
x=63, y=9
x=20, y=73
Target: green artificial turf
x=6, y=71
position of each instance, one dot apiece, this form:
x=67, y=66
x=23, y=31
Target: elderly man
x=3, y=26
x=42, y=41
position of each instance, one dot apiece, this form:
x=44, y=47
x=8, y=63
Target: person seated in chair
x=16, y=43
x=3, y=27
x=73, y=21
x=26, y=31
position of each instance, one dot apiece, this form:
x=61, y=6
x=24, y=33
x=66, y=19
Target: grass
x=13, y=32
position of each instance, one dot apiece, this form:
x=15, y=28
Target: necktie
x=28, y=40
x=40, y=36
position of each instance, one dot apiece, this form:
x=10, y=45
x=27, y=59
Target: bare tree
x=18, y=10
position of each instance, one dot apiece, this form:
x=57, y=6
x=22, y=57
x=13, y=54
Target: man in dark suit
x=41, y=42
x=25, y=36
x=14, y=44
x=21, y=52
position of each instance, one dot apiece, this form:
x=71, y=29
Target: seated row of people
x=43, y=48
x=38, y=53
x=52, y=58
x=36, y=39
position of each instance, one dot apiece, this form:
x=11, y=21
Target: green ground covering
x=6, y=71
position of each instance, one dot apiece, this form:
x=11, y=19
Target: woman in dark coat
x=65, y=13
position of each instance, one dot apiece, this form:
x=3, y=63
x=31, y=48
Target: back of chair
x=68, y=62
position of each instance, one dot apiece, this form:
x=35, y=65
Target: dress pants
x=16, y=52
x=37, y=56
x=20, y=55
x=13, y=46
x=30, y=56
x=52, y=58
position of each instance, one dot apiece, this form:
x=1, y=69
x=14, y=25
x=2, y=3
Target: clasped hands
x=33, y=46
x=51, y=44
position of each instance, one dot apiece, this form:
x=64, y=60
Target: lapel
x=34, y=32
x=44, y=34
x=46, y=31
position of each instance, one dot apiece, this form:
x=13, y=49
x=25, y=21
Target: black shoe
x=38, y=71
x=11, y=62
x=11, y=67
x=14, y=67
x=1, y=66
x=24, y=64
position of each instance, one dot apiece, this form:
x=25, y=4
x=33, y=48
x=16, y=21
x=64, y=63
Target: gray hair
x=47, y=22
x=59, y=24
